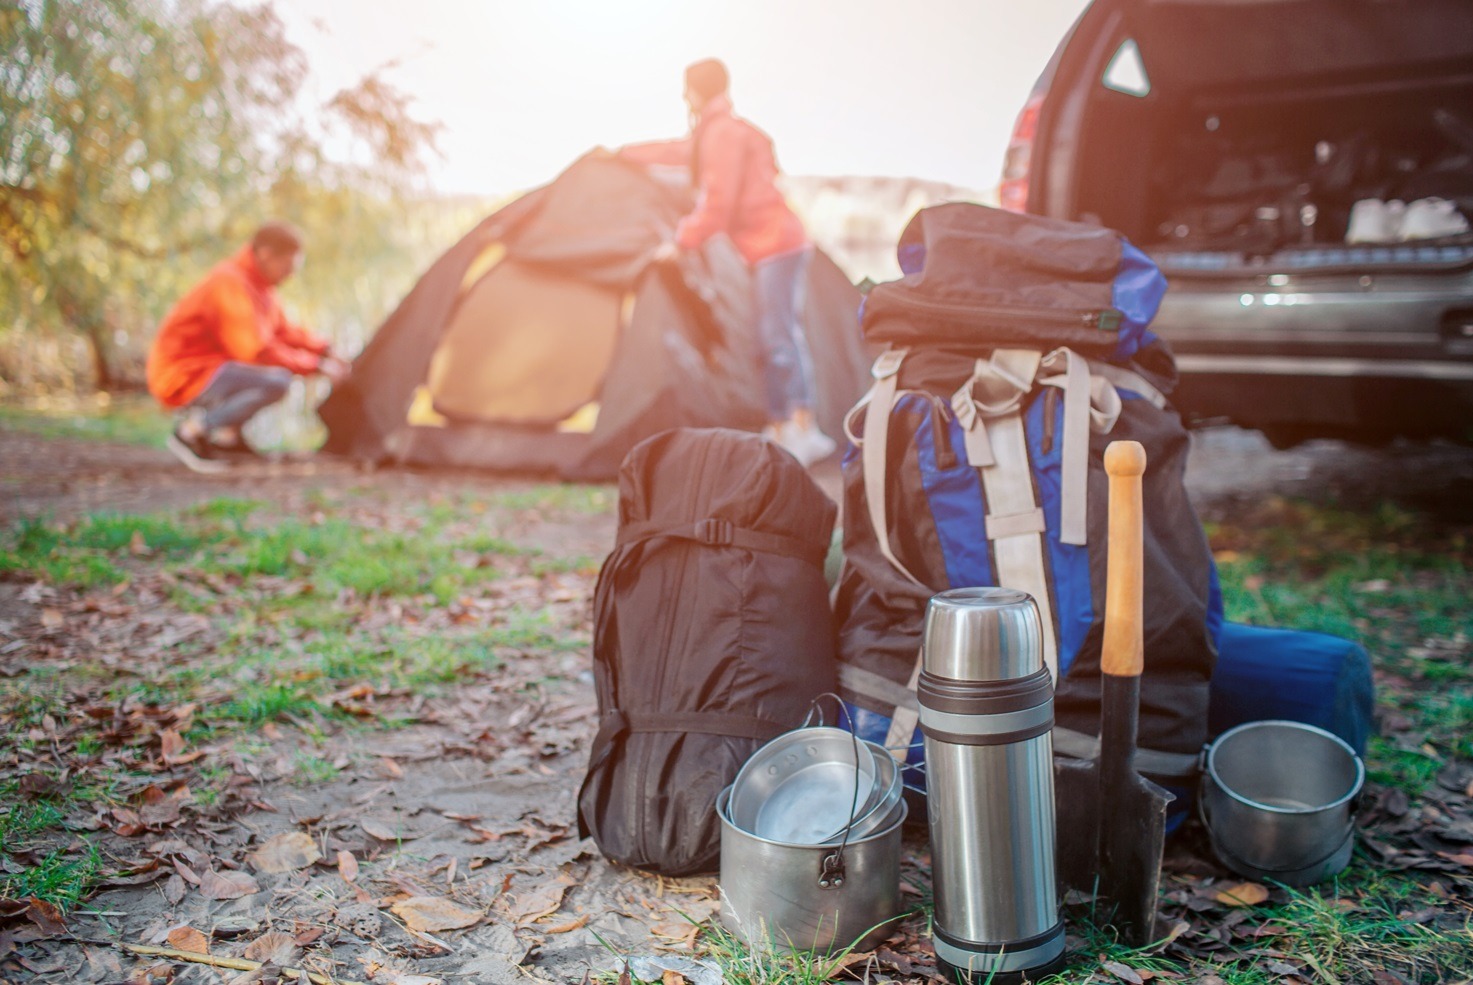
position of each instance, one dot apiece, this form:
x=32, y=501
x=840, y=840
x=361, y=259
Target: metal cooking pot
x=795, y=897
x=1279, y=799
x=801, y=787
x=878, y=812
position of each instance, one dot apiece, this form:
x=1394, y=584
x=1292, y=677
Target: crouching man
x=226, y=351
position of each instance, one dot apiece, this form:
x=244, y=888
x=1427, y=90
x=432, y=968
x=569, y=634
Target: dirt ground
x=63, y=478
x=476, y=798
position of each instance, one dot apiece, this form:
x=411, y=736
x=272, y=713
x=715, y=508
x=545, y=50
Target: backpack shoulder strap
x=872, y=446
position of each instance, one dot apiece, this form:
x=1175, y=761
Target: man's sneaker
x=236, y=449
x=1432, y=218
x=1375, y=221
x=195, y=453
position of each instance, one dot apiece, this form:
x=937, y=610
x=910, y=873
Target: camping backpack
x=1018, y=352
x=712, y=634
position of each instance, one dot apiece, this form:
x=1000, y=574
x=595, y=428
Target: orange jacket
x=230, y=316
x=736, y=174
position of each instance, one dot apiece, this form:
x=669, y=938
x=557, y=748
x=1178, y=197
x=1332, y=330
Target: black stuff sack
x=712, y=634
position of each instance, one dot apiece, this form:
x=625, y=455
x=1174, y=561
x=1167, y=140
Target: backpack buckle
x=888, y=364
x=715, y=531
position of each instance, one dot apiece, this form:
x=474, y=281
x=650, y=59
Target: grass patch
x=266, y=618
x=33, y=864
x=561, y=498
x=96, y=550
x=310, y=770
x=258, y=704
x=1386, y=580
x=125, y=420
x=62, y=877
x=229, y=541
x=1347, y=930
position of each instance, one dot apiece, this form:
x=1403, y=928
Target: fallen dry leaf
x=186, y=873
x=564, y=928
x=186, y=938
x=1123, y=972
x=849, y=960
x=428, y=914
x=1242, y=894
x=286, y=852
x=527, y=909
x=226, y=885
x=52, y=618
x=37, y=786
x=347, y=866
x=172, y=744
x=1177, y=929
x=46, y=916
x=672, y=978
x=378, y=829
x=273, y=947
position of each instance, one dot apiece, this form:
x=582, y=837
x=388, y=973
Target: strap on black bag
x=718, y=532
x=617, y=724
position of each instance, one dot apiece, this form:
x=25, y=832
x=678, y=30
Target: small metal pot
x=800, y=787
x=793, y=897
x=1279, y=799
x=879, y=812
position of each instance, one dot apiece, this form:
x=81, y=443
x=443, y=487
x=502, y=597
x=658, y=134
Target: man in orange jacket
x=226, y=350
x=734, y=170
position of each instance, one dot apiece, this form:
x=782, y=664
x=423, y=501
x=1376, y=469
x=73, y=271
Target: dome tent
x=543, y=341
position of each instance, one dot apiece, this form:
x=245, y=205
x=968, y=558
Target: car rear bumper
x=1346, y=356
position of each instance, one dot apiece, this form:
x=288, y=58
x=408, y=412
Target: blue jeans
x=238, y=391
x=781, y=293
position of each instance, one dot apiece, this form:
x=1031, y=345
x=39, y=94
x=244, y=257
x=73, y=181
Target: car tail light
x=1012, y=193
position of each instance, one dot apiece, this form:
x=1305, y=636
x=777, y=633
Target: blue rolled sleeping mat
x=1314, y=678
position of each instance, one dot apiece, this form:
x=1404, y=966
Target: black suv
x=1232, y=140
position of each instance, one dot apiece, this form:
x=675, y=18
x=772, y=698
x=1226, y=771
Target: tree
x=139, y=137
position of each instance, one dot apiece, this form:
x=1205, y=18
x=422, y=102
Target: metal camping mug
x=1278, y=799
x=987, y=708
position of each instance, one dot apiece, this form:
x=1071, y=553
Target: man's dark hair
x=707, y=78
x=277, y=236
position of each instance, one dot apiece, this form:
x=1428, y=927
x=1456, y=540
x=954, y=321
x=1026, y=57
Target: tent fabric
x=548, y=309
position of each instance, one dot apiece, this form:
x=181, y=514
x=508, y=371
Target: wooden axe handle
x=1124, y=651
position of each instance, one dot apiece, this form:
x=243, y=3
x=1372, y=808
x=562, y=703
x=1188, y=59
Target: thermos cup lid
x=982, y=634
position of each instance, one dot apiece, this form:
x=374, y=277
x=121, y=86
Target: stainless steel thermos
x=986, y=710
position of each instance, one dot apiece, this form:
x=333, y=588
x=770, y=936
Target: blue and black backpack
x=1018, y=349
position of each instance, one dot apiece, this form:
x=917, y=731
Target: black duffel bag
x=712, y=634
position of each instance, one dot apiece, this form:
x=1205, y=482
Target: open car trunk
x=1252, y=129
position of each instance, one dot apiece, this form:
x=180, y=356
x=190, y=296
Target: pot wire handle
x=831, y=869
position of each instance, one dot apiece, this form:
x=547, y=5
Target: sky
x=926, y=89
